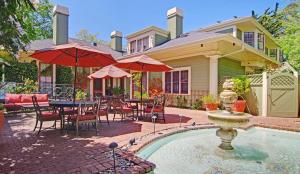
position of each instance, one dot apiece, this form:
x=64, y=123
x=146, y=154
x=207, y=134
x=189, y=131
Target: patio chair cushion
x=156, y=109
x=26, y=98
x=102, y=112
x=82, y=117
x=42, y=97
x=70, y=111
x=12, y=98
x=126, y=109
x=48, y=116
x=12, y=106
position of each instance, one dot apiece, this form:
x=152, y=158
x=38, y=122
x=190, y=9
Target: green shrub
x=209, y=99
x=80, y=95
x=117, y=91
x=137, y=95
x=241, y=85
x=18, y=72
x=197, y=105
x=64, y=75
x=1, y=107
x=181, y=101
x=28, y=87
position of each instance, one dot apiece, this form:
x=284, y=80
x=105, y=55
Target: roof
x=47, y=43
x=238, y=20
x=187, y=38
x=145, y=30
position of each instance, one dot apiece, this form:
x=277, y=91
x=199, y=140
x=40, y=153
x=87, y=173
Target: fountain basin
x=227, y=120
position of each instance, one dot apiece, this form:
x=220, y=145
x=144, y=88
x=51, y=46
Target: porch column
x=103, y=86
x=91, y=86
x=264, y=95
x=53, y=78
x=38, y=64
x=213, y=75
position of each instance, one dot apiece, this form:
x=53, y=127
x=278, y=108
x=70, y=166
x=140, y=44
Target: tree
x=290, y=40
x=85, y=35
x=271, y=20
x=21, y=21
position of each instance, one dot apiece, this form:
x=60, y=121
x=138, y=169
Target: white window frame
x=189, y=69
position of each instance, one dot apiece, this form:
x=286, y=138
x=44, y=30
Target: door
x=98, y=87
x=282, y=95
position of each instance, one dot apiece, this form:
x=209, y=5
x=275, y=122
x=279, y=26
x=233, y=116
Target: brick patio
x=52, y=152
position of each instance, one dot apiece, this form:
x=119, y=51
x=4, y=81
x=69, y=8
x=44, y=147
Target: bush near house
x=28, y=87
x=19, y=72
x=64, y=75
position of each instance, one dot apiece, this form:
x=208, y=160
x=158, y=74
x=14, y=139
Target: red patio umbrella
x=75, y=55
x=143, y=63
x=109, y=71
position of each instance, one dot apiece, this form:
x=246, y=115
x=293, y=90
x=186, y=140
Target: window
x=132, y=46
x=249, y=38
x=226, y=31
x=168, y=82
x=267, y=51
x=184, y=81
x=139, y=45
x=260, y=41
x=178, y=81
x=145, y=43
x=175, y=80
x=273, y=53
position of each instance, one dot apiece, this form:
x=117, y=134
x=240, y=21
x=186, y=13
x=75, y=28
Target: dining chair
x=83, y=117
x=44, y=114
x=156, y=107
x=102, y=108
x=120, y=107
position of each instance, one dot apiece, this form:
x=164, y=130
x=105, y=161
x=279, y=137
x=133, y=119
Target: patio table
x=137, y=102
x=68, y=104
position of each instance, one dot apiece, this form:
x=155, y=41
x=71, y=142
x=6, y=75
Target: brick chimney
x=175, y=22
x=60, y=25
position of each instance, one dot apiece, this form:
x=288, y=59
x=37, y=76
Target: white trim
x=213, y=75
x=265, y=94
x=130, y=85
x=103, y=86
x=189, y=69
x=148, y=80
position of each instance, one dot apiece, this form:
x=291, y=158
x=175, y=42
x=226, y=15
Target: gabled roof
x=46, y=43
x=187, y=38
x=148, y=29
x=235, y=21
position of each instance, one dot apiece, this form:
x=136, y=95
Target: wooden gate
x=282, y=94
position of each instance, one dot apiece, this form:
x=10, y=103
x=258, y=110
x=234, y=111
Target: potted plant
x=116, y=91
x=1, y=116
x=241, y=85
x=80, y=95
x=210, y=102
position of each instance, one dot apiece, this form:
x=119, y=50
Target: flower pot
x=239, y=106
x=211, y=106
x=1, y=119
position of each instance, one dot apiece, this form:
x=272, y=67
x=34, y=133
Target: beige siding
x=200, y=70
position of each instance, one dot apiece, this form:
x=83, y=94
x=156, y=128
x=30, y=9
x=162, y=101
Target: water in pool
x=257, y=151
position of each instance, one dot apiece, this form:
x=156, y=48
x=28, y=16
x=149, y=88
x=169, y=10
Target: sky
x=128, y=16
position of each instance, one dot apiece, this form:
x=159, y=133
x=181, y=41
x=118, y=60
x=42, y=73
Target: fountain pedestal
x=227, y=122
x=226, y=135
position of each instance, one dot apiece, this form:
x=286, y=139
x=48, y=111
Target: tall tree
x=21, y=21
x=271, y=20
x=290, y=39
x=85, y=35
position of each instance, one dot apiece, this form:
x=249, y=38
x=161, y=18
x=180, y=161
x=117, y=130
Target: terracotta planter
x=211, y=106
x=239, y=106
x=1, y=119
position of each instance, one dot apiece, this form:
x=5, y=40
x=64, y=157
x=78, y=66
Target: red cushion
x=25, y=104
x=70, y=111
x=50, y=116
x=102, y=112
x=11, y=106
x=42, y=97
x=82, y=117
x=12, y=98
x=156, y=109
x=126, y=109
x=26, y=98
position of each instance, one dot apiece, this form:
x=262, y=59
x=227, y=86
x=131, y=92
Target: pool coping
x=151, y=137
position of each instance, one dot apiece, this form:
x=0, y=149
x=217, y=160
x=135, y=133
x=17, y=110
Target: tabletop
x=70, y=103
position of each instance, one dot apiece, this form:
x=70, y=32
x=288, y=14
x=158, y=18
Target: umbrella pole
x=75, y=76
x=141, y=81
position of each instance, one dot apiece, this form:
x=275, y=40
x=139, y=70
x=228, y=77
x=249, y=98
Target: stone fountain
x=226, y=119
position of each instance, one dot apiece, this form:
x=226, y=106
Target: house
x=200, y=58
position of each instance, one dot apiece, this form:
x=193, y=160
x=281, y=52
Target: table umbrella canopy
x=143, y=63
x=109, y=71
x=69, y=54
